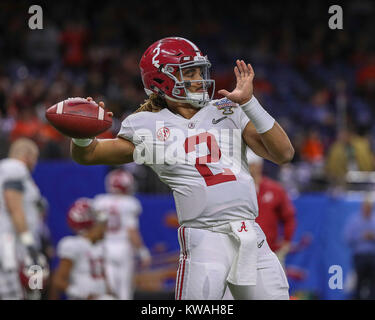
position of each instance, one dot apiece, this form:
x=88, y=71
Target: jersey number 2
x=214, y=156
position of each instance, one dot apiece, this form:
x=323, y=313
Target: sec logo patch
x=163, y=134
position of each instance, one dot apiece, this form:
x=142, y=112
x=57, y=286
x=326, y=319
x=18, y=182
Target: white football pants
x=10, y=285
x=205, y=261
x=120, y=270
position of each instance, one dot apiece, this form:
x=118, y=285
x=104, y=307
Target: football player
x=19, y=217
x=81, y=270
x=216, y=201
x=123, y=241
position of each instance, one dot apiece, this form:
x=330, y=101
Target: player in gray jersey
x=19, y=216
x=197, y=146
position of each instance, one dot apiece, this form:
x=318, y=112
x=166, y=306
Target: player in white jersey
x=123, y=241
x=81, y=270
x=19, y=216
x=198, y=147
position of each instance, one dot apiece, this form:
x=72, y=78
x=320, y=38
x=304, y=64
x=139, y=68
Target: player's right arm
x=104, y=151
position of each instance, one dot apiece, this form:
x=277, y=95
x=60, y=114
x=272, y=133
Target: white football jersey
x=202, y=159
x=14, y=172
x=87, y=276
x=122, y=211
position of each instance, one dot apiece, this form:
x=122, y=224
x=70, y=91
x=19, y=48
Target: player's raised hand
x=244, y=87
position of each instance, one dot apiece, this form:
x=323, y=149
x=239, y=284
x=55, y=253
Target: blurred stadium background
x=317, y=82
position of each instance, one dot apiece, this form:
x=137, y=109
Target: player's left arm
x=262, y=134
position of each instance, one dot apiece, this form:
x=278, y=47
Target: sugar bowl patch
x=225, y=105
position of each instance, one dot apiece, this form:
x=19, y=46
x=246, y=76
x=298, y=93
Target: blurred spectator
x=360, y=236
x=319, y=112
x=366, y=75
x=26, y=125
x=73, y=40
x=42, y=46
x=312, y=149
x=349, y=152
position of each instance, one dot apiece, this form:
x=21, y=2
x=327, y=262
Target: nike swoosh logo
x=260, y=244
x=218, y=120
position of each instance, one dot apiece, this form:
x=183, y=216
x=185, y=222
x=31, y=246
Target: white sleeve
x=126, y=130
x=138, y=129
x=14, y=171
x=243, y=119
x=130, y=129
x=67, y=248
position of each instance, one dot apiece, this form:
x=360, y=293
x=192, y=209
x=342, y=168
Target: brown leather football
x=79, y=118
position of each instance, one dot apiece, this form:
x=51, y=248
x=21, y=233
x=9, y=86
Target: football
x=79, y=118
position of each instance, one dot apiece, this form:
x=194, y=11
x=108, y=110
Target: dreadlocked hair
x=153, y=104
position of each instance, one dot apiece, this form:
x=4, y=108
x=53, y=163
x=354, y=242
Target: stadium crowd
x=319, y=83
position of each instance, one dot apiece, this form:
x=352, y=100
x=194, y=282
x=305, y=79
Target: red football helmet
x=160, y=64
x=119, y=181
x=81, y=216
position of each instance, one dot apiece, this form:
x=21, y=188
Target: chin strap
x=193, y=102
x=199, y=100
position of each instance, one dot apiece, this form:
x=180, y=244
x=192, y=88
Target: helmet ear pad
x=162, y=85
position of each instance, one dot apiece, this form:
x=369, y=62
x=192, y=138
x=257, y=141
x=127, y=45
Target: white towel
x=244, y=267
